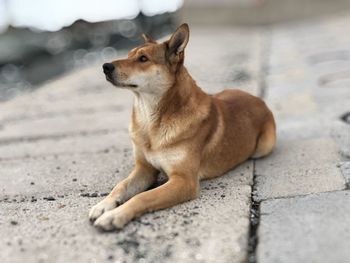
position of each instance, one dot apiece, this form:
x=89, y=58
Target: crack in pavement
x=254, y=217
x=63, y=113
x=58, y=136
x=254, y=223
x=57, y=154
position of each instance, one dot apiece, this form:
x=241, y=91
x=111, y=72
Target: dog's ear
x=148, y=39
x=178, y=41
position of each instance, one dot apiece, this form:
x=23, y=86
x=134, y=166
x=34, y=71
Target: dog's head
x=151, y=67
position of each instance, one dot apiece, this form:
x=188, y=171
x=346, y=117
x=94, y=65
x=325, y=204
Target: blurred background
x=41, y=39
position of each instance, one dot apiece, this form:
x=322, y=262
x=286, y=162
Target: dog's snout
x=108, y=68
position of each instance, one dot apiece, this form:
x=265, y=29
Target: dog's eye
x=143, y=59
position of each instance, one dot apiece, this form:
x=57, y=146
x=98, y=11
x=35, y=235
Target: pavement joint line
x=52, y=197
x=55, y=155
x=64, y=113
x=347, y=182
x=254, y=220
x=304, y=195
x=254, y=217
x=264, y=66
x=326, y=79
x=58, y=136
x=345, y=117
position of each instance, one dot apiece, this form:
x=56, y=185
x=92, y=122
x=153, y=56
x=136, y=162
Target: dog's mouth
x=119, y=84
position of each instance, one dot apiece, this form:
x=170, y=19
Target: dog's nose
x=108, y=68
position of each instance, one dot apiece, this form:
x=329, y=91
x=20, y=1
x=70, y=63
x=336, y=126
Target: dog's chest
x=165, y=160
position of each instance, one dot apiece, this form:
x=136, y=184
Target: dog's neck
x=146, y=107
x=151, y=108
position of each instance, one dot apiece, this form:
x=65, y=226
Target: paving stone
x=299, y=167
x=313, y=228
x=229, y=58
x=310, y=134
x=198, y=231
x=81, y=92
x=62, y=126
x=100, y=141
x=54, y=175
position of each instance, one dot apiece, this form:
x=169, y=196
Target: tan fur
x=179, y=129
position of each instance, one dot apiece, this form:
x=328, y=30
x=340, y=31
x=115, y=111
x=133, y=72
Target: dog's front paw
x=97, y=210
x=115, y=219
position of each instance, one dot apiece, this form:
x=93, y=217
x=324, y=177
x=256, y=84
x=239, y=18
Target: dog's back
x=240, y=123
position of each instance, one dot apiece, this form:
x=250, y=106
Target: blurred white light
x=52, y=15
x=127, y=28
x=156, y=7
x=79, y=54
x=10, y=73
x=108, y=53
x=91, y=58
x=58, y=42
x=3, y=16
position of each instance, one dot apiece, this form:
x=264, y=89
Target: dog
x=179, y=129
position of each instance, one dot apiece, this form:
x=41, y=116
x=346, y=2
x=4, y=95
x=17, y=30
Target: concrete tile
x=69, y=144
x=221, y=61
x=63, y=125
x=214, y=227
x=299, y=167
x=313, y=228
x=55, y=175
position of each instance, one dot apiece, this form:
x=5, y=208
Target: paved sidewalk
x=303, y=185
x=63, y=147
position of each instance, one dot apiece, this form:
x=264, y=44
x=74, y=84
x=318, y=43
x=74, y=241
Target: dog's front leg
x=178, y=189
x=141, y=178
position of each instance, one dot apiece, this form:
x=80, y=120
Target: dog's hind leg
x=267, y=139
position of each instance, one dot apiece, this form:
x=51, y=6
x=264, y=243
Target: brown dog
x=179, y=129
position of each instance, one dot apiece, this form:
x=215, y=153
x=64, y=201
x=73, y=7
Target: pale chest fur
x=156, y=149
x=165, y=160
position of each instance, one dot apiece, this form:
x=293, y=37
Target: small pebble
x=13, y=222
